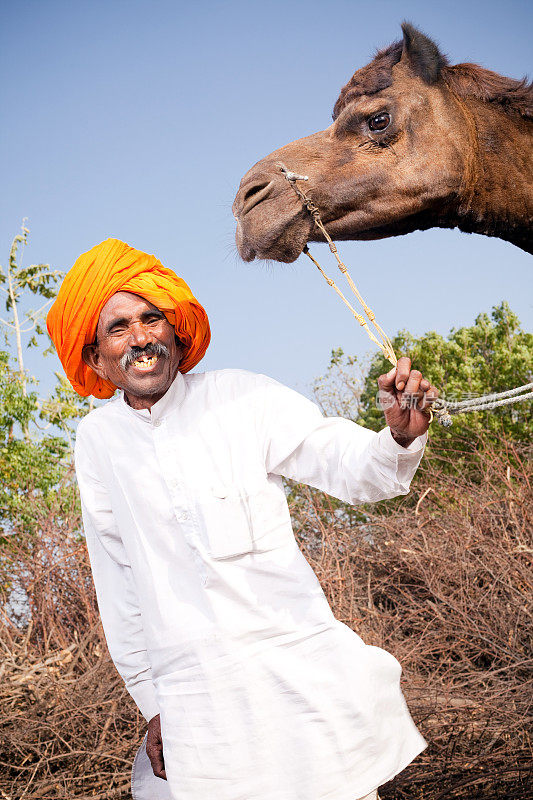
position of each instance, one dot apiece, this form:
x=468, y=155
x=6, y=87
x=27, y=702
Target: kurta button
x=157, y=423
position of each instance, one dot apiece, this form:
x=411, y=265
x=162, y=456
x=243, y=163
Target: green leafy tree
x=17, y=283
x=492, y=355
x=27, y=466
x=21, y=286
x=36, y=438
x=63, y=407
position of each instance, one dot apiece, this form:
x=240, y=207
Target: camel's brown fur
x=458, y=152
x=472, y=81
x=466, y=80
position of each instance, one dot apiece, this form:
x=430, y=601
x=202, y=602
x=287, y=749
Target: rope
x=383, y=342
x=442, y=409
x=487, y=397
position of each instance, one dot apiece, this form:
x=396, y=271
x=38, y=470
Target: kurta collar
x=170, y=400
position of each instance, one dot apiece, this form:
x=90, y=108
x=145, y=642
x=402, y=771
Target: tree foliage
x=492, y=355
x=29, y=466
x=35, y=432
x=19, y=284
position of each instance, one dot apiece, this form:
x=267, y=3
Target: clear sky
x=136, y=119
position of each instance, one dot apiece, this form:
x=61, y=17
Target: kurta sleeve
x=333, y=454
x=115, y=588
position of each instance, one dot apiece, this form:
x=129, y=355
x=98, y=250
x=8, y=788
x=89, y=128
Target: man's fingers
x=420, y=399
x=403, y=367
x=416, y=391
x=397, y=376
x=386, y=382
x=412, y=384
x=155, y=754
x=154, y=747
x=412, y=395
x=429, y=396
x=159, y=773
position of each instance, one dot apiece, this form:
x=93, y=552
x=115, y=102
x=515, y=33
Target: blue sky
x=138, y=119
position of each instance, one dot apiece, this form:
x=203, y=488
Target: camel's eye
x=379, y=121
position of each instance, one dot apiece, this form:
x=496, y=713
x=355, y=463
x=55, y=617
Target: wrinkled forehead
x=123, y=305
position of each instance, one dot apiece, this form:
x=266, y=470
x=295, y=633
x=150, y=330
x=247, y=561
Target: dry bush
x=441, y=579
x=69, y=728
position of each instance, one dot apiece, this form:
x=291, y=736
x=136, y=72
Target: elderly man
x=251, y=688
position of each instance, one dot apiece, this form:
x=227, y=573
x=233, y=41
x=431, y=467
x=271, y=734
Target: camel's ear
x=422, y=54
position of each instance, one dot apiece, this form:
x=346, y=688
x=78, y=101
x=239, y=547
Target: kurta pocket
x=228, y=524
x=240, y=521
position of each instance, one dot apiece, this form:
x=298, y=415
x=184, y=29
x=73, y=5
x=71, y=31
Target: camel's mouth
x=274, y=225
x=271, y=222
x=280, y=245
x=285, y=240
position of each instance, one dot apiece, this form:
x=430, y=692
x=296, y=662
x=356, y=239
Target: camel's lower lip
x=247, y=254
x=284, y=255
x=246, y=251
x=284, y=247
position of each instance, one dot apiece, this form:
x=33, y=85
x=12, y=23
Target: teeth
x=145, y=362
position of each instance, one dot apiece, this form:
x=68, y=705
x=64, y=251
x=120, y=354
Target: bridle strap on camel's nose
x=383, y=342
x=441, y=408
x=293, y=176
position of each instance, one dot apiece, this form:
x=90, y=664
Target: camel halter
x=383, y=342
x=441, y=408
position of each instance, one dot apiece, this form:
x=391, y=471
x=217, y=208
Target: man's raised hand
x=405, y=397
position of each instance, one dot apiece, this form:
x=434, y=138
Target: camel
x=415, y=143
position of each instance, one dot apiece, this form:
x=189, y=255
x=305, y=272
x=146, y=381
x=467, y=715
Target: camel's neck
x=497, y=192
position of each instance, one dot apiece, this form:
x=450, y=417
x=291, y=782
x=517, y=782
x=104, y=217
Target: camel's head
x=392, y=161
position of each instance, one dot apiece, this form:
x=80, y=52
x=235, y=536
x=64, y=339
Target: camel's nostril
x=254, y=190
x=255, y=194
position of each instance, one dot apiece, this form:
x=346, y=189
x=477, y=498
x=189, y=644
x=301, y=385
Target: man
x=217, y=624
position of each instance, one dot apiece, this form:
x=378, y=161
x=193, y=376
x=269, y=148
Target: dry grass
x=69, y=728
x=442, y=579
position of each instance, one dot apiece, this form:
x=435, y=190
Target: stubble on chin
x=135, y=394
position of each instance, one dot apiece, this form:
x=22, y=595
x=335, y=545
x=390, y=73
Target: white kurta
x=212, y=614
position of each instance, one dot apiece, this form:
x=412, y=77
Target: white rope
x=488, y=397
x=443, y=409
x=385, y=344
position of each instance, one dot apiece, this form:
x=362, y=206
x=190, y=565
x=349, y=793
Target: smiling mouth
x=145, y=362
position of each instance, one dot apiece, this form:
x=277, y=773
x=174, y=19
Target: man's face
x=136, y=349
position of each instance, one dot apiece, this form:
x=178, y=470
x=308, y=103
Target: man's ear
x=91, y=357
x=421, y=54
x=180, y=345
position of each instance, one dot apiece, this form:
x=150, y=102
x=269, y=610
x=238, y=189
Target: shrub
x=442, y=581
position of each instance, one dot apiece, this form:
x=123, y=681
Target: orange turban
x=97, y=275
